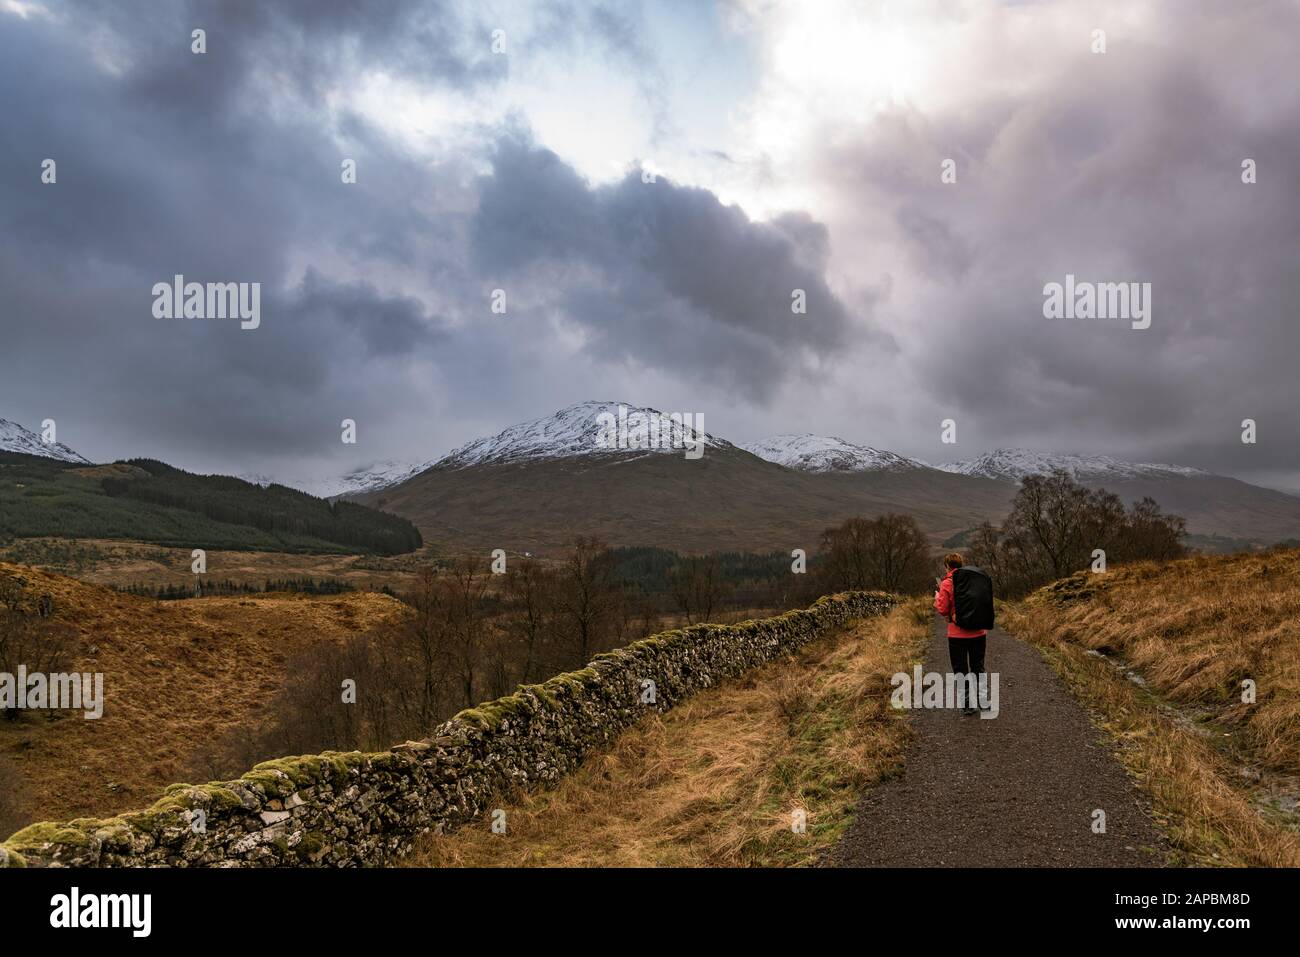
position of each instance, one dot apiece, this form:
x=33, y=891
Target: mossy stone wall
x=349, y=809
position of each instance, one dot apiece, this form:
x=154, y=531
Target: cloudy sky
x=648, y=183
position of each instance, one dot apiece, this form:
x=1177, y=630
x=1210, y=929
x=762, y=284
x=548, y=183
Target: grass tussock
x=715, y=781
x=1171, y=647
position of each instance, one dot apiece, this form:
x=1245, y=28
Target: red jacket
x=944, y=606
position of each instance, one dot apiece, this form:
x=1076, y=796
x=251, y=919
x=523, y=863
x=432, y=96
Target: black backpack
x=972, y=598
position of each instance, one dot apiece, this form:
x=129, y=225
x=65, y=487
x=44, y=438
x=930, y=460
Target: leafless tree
x=697, y=587
x=531, y=590
x=888, y=553
x=585, y=594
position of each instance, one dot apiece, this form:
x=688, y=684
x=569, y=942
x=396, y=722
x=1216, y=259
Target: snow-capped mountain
x=259, y=478
x=586, y=429
x=365, y=478
x=740, y=501
x=14, y=438
x=368, y=478
x=828, y=453
x=1012, y=465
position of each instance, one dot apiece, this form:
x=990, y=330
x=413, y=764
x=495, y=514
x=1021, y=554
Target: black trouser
x=967, y=657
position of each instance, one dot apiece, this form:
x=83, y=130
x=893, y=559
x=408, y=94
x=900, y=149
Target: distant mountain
x=536, y=485
x=1222, y=513
x=1012, y=465
x=576, y=431
x=629, y=474
x=367, y=478
x=14, y=438
x=585, y=429
x=828, y=453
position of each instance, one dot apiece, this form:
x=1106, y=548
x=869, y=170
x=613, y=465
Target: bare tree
x=30, y=634
x=1055, y=526
x=845, y=550
x=898, y=560
x=467, y=585
x=531, y=589
x=697, y=587
x=427, y=635
x=888, y=553
x=586, y=594
x=1151, y=534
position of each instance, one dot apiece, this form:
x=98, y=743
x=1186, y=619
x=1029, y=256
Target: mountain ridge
x=1014, y=464
x=536, y=484
x=828, y=453
x=638, y=476
x=15, y=438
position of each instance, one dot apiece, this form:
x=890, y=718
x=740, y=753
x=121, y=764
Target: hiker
x=969, y=600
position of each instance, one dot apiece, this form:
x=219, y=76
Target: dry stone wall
x=341, y=809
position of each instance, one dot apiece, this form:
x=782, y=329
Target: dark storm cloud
x=660, y=274
x=1119, y=167
x=305, y=44
x=225, y=167
x=161, y=174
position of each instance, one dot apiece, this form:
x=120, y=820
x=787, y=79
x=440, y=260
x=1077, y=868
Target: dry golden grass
x=119, y=563
x=715, y=781
x=1193, y=631
x=176, y=674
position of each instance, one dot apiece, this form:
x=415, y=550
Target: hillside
x=349, y=808
x=148, y=501
x=727, y=500
x=178, y=675
x=1160, y=653
x=121, y=564
x=535, y=485
x=1223, y=514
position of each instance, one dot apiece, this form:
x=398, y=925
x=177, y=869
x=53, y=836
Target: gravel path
x=1016, y=790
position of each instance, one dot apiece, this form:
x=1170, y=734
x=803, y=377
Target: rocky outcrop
x=347, y=809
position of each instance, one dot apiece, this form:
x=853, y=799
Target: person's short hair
x=954, y=560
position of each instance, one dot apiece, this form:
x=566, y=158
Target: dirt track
x=1016, y=790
